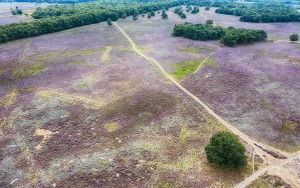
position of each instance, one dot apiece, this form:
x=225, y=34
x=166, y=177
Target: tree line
x=261, y=12
x=50, y=24
x=228, y=36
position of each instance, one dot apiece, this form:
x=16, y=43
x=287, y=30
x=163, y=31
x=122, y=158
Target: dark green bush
x=226, y=150
x=229, y=36
x=294, y=37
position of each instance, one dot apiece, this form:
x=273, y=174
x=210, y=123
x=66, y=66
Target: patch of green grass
x=195, y=50
x=289, y=125
x=111, y=127
x=185, y=134
x=163, y=184
x=189, y=50
x=185, y=68
x=28, y=70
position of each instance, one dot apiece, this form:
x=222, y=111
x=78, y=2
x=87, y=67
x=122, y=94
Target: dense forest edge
x=261, y=12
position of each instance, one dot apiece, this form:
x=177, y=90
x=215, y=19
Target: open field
x=248, y=85
x=7, y=18
x=80, y=108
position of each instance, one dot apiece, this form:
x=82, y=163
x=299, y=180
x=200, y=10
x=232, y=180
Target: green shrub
x=211, y=22
x=226, y=150
x=294, y=37
x=109, y=21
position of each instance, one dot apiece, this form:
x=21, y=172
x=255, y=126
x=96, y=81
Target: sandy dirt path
x=246, y=182
x=258, y=148
x=243, y=136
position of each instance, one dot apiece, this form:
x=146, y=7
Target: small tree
x=209, y=22
x=148, y=15
x=207, y=8
x=183, y=16
x=135, y=17
x=225, y=149
x=164, y=15
x=294, y=37
x=13, y=12
x=109, y=21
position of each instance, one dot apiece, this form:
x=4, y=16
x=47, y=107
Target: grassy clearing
x=68, y=53
x=184, y=68
x=163, y=184
x=111, y=127
x=28, y=70
x=195, y=50
x=9, y=99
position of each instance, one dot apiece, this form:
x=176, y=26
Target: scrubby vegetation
x=229, y=36
x=180, y=12
x=261, y=12
x=225, y=149
x=294, y=37
x=164, y=15
x=195, y=10
x=209, y=22
x=16, y=11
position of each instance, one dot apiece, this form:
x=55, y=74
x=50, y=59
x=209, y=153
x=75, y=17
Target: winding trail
x=256, y=175
x=258, y=147
x=204, y=61
x=243, y=136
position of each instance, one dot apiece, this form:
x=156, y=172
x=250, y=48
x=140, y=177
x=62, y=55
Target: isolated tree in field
x=207, y=8
x=294, y=37
x=209, y=22
x=164, y=15
x=148, y=15
x=109, y=21
x=226, y=150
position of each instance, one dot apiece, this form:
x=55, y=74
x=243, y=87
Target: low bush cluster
x=228, y=36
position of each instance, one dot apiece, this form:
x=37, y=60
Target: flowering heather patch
x=96, y=124
x=253, y=87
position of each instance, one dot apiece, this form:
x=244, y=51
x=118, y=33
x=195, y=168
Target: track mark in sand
x=72, y=98
x=106, y=57
x=243, y=136
x=206, y=59
x=259, y=173
x=46, y=134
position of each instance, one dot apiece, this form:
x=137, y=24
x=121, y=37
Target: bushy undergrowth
x=228, y=36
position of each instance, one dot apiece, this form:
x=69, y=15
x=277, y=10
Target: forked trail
x=258, y=147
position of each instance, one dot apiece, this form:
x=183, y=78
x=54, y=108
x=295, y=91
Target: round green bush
x=225, y=149
x=294, y=37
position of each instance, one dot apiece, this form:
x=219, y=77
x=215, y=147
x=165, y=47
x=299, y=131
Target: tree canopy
x=228, y=36
x=225, y=149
